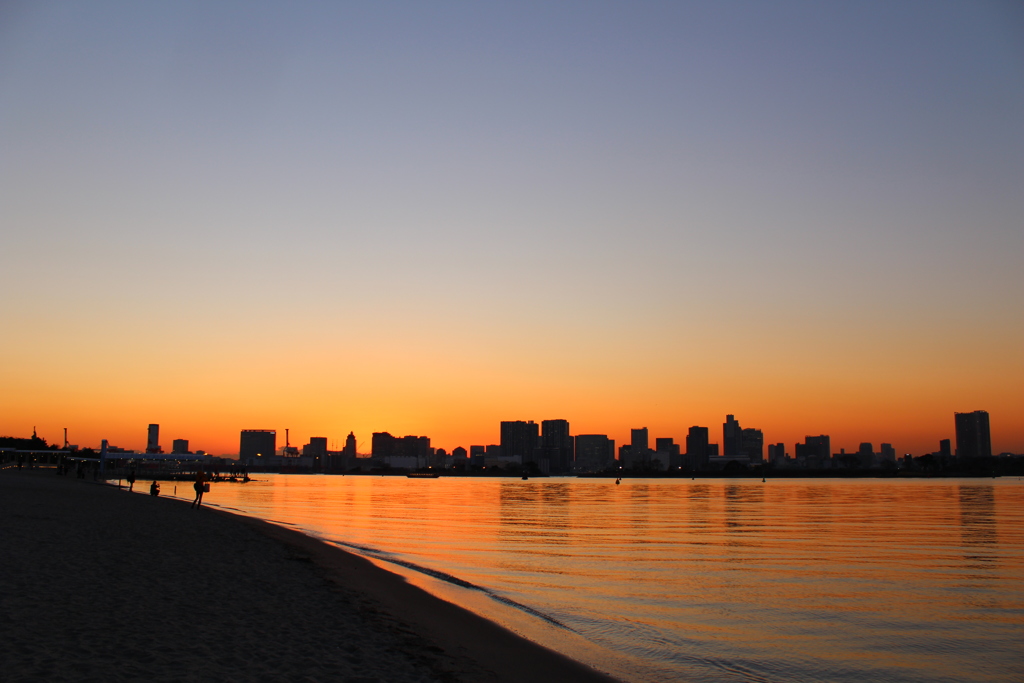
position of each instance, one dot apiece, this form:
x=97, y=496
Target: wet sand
x=99, y=584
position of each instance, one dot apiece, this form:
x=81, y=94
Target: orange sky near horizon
x=109, y=388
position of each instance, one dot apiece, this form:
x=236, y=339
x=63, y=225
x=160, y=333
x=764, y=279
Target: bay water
x=699, y=580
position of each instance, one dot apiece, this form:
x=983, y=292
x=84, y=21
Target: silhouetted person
x=131, y=478
x=154, y=489
x=21, y=460
x=199, y=486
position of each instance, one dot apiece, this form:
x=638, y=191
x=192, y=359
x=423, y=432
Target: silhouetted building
x=697, y=448
x=384, y=445
x=153, y=439
x=557, y=445
x=973, y=439
x=639, y=451
x=257, y=443
x=350, y=445
x=815, y=451
x=945, y=449
x=594, y=453
x=317, y=449
x=666, y=451
x=732, y=436
x=179, y=447
x=519, y=440
x=886, y=453
x=752, y=445
x=866, y=454
x=777, y=453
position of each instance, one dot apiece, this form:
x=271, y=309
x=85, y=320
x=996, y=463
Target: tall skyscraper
x=697, y=448
x=732, y=436
x=153, y=439
x=973, y=439
x=257, y=443
x=557, y=445
x=519, y=439
x=350, y=445
x=639, y=451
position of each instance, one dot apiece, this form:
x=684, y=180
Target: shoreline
x=98, y=584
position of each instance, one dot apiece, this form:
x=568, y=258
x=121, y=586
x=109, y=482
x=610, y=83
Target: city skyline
x=430, y=219
x=555, y=438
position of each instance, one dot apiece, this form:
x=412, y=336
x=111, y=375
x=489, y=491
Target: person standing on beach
x=200, y=487
x=131, y=478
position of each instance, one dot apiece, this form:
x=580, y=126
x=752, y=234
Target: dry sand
x=99, y=584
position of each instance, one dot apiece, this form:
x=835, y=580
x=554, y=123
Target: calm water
x=652, y=580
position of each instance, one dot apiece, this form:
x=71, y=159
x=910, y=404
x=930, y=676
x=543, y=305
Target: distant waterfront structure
x=973, y=439
x=777, y=454
x=556, y=445
x=350, y=445
x=317, y=449
x=732, y=437
x=815, y=451
x=153, y=439
x=639, y=449
x=697, y=448
x=519, y=440
x=406, y=452
x=752, y=445
x=594, y=453
x=666, y=451
x=179, y=447
x=257, y=443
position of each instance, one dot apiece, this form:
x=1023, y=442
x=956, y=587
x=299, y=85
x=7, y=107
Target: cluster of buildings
x=549, y=447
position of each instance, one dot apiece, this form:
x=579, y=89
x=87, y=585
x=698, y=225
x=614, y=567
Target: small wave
x=449, y=578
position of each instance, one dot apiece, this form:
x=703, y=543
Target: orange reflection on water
x=707, y=580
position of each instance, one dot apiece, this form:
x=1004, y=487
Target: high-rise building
x=257, y=443
x=973, y=439
x=752, y=445
x=639, y=448
x=667, y=452
x=557, y=445
x=594, y=453
x=866, y=454
x=153, y=439
x=179, y=447
x=945, y=449
x=350, y=445
x=732, y=436
x=697, y=448
x=520, y=439
x=815, y=451
x=777, y=453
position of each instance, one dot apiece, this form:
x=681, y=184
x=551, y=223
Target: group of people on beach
x=200, y=486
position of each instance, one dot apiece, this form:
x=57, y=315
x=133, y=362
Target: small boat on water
x=423, y=475
x=525, y=477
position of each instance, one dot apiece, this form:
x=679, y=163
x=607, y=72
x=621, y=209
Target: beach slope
x=99, y=584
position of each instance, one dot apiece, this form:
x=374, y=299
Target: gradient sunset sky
x=429, y=217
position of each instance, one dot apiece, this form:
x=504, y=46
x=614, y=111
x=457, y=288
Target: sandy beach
x=99, y=584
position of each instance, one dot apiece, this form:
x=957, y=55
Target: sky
x=425, y=218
